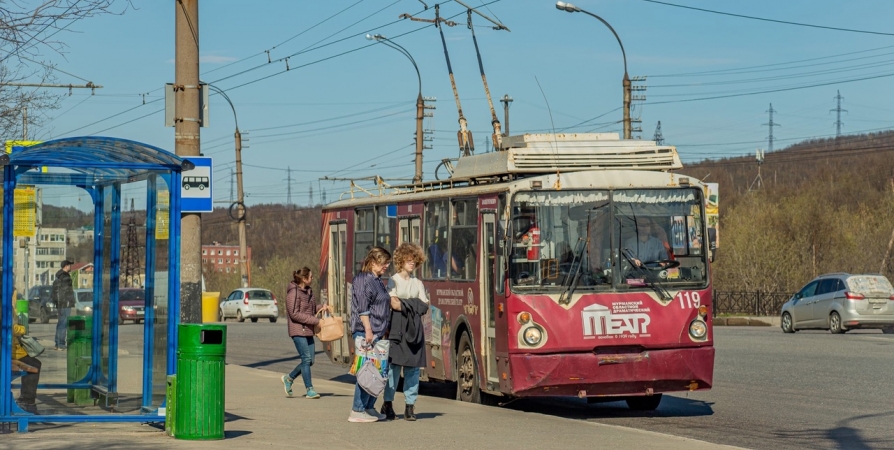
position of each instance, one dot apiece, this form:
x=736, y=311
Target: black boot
x=388, y=411
x=409, y=413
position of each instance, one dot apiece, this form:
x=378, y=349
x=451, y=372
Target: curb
x=744, y=321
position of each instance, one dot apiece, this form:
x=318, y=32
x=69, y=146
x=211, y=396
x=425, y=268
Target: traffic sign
x=196, y=186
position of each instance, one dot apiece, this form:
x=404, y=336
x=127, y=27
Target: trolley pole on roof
x=626, y=82
x=187, y=143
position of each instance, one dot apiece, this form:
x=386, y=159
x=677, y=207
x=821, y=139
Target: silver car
x=840, y=302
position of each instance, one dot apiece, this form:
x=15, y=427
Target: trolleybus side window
x=364, y=236
x=386, y=228
x=463, y=240
x=501, y=245
x=435, y=240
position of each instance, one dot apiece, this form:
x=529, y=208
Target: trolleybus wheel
x=645, y=403
x=467, y=386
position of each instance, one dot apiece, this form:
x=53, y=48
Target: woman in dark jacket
x=302, y=310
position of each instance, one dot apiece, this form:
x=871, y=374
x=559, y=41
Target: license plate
x=140, y=313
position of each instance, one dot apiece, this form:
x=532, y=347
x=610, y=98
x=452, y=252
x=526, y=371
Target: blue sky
x=352, y=115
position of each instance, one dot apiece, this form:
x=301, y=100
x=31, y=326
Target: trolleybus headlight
x=698, y=329
x=532, y=336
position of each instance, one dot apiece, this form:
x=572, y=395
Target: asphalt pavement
x=259, y=414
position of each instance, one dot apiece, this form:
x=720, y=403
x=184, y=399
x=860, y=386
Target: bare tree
x=27, y=31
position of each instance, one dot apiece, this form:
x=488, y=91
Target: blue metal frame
x=100, y=166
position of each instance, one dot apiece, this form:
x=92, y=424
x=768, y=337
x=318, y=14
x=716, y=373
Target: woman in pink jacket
x=302, y=310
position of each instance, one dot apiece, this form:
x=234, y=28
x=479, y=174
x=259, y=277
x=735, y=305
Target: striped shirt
x=369, y=298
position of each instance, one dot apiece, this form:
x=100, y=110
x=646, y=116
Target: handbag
x=31, y=346
x=370, y=380
x=331, y=328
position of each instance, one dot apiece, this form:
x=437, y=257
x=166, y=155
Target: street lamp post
x=626, y=83
x=239, y=205
x=420, y=103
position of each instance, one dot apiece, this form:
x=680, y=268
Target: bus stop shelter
x=111, y=384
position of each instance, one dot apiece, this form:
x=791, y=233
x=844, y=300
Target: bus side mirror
x=712, y=243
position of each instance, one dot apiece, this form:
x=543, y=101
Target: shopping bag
x=370, y=379
x=331, y=328
x=31, y=346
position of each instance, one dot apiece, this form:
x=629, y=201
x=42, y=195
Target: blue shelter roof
x=92, y=161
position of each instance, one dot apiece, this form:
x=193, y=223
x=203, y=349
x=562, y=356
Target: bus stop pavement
x=260, y=415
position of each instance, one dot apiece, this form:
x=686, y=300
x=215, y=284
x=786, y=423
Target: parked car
x=83, y=302
x=249, y=303
x=40, y=305
x=131, y=305
x=840, y=302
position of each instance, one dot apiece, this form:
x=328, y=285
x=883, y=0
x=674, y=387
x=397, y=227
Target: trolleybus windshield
x=607, y=240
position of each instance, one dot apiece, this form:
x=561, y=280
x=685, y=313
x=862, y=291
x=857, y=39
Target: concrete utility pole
x=506, y=101
x=187, y=143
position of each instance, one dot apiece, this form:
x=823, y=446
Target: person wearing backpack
x=302, y=310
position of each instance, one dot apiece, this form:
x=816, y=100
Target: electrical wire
x=784, y=22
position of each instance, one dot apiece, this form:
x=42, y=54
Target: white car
x=249, y=303
x=83, y=302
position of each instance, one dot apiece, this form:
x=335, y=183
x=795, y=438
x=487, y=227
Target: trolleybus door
x=489, y=266
x=338, y=298
x=409, y=230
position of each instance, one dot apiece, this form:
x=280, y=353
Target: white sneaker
x=361, y=417
x=372, y=412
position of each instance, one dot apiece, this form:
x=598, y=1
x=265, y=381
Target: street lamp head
x=569, y=7
x=374, y=37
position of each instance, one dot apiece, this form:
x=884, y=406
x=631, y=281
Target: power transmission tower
x=324, y=197
x=310, y=196
x=771, y=124
x=658, y=137
x=132, y=270
x=289, y=185
x=838, y=110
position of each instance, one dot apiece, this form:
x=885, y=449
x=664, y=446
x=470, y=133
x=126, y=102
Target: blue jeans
x=62, y=326
x=411, y=384
x=305, y=347
x=362, y=400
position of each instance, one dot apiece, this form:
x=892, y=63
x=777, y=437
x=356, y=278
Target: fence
x=752, y=303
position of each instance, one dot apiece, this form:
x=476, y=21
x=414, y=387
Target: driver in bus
x=647, y=247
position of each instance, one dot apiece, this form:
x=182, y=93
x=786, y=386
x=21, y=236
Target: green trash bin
x=22, y=314
x=201, y=353
x=79, y=357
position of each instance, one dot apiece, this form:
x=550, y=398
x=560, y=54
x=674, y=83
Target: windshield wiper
x=646, y=275
x=573, y=277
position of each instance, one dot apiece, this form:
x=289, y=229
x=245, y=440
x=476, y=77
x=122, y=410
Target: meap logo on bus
x=623, y=320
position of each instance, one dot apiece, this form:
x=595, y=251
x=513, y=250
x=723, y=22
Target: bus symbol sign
x=196, y=186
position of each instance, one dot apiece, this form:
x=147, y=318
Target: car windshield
x=584, y=238
x=130, y=295
x=260, y=295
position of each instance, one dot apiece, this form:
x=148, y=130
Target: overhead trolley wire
x=784, y=22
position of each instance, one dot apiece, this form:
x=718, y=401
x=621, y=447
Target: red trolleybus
x=562, y=265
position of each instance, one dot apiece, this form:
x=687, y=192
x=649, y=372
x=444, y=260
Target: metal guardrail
x=752, y=303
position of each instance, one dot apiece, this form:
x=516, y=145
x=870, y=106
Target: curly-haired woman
x=407, y=350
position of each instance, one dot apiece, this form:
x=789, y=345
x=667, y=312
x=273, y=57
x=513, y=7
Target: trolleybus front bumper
x=592, y=375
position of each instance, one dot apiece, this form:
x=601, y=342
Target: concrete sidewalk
x=259, y=415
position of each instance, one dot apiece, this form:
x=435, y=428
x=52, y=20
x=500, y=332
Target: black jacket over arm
x=407, y=336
